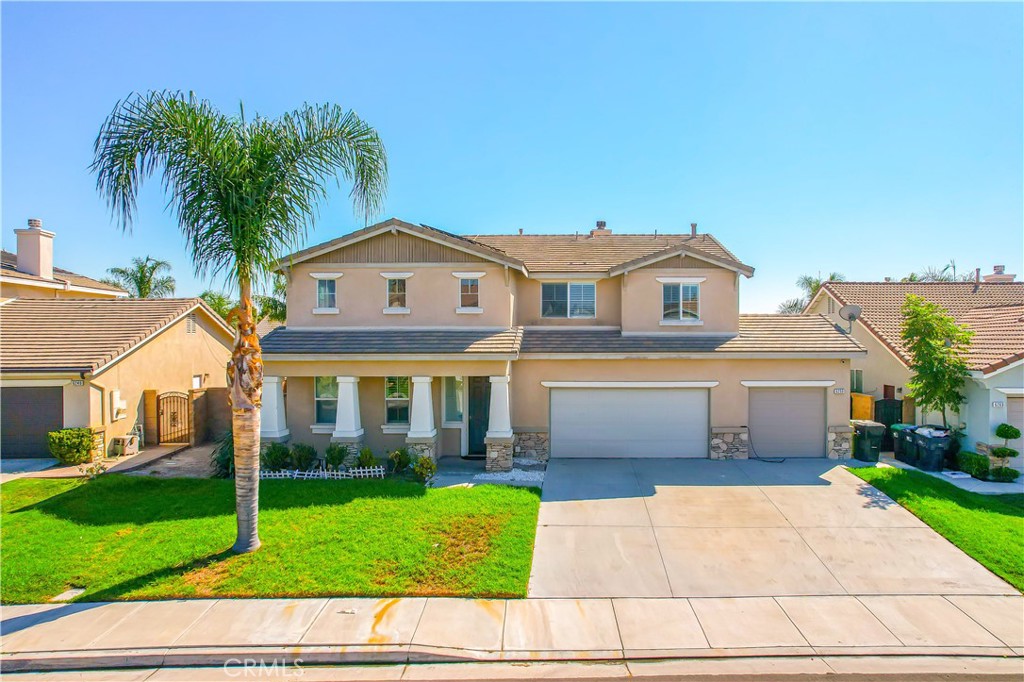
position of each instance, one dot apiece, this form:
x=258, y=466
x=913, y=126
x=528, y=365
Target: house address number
x=998, y=403
x=839, y=391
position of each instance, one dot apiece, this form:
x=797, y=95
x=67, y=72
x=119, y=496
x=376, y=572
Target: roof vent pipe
x=693, y=230
x=601, y=229
x=520, y=232
x=977, y=275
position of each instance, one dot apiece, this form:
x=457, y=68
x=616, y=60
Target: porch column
x=421, y=417
x=273, y=425
x=347, y=423
x=499, y=427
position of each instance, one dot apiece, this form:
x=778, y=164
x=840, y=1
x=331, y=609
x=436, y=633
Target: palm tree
x=274, y=307
x=144, y=278
x=243, y=193
x=810, y=286
x=221, y=304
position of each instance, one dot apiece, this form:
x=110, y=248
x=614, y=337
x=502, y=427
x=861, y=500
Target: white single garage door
x=787, y=422
x=1015, y=417
x=629, y=422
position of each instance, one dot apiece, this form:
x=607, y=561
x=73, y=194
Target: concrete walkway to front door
x=704, y=528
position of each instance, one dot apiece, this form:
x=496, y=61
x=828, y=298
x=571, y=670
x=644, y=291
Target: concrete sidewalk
x=437, y=630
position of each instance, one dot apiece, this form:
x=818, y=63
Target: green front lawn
x=990, y=528
x=122, y=537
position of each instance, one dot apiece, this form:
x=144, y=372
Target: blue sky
x=872, y=139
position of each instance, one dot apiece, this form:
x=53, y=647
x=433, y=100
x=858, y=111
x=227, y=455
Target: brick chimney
x=35, y=249
x=999, y=275
x=693, y=230
x=600, y=230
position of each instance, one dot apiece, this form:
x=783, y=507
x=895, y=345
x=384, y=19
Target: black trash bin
x=897, y=438
x=867, y=439
x=932, y=449
x=908, y=454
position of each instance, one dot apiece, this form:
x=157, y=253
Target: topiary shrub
x=1003, y=474
x=400, y=460
x=972, y=463
x=275, y=457
x=304, y=456
x=425, y=468
x=335, y=455
x=71, y=446
x=1007, y=432
x=366, y=458
x=222, y=459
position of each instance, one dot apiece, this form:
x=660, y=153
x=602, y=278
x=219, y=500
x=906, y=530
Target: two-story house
x=582, y=345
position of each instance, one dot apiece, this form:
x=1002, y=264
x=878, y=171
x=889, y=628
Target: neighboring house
x=587, y=345
x=110, y=365
x=992, y=306
x=30, y=272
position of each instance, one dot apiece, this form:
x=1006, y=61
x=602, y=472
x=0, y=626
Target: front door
x=479, y=414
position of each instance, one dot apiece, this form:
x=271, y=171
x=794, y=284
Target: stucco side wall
x=166, y=363
x=987, y=408
x=608, y=294
x=719, y=301
x=880, y=365
x=76, y=405
x=432, y=295
x=729, y=400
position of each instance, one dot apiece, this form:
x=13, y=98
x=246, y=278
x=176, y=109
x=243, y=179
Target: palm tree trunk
x=245, y=375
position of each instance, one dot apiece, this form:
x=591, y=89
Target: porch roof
x=387, y=342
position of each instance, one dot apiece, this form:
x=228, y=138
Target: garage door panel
x=787, y=422
x=1015, y=417
x=624, y=422
x=27, y=415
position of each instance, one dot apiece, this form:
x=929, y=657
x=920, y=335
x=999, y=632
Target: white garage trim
x=1012, y=391
x=788, y=384
x=12, y=383
x=629, y=384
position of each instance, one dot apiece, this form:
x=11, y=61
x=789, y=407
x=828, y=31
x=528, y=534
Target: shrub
x=222, y=459
x=304, y=456
x=1003, y=453
x=1004, y=474
x=425, y=468
x=366, y=458
x=1007, y=432
x=972, y=463
x=400, y=460
x=71, y=446
x=335, y=455
x=275, y=457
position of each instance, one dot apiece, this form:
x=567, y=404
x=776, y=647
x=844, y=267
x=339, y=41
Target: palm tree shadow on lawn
x=115, y=499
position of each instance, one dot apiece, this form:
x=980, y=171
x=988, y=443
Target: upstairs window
x=469, y=293
x=325, y=395
x=568, y=299
x=396, y=293
x=680, y=302
x=396, y=400
x=856, y=380
x=326, y=294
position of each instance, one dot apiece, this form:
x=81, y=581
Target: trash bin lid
x=901, y=427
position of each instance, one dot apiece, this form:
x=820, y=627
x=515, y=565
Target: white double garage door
x=609, y=421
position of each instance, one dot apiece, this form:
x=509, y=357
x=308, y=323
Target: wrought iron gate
x=173, y=418
x=888, y=412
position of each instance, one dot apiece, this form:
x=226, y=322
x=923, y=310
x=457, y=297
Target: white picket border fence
x=324, y=474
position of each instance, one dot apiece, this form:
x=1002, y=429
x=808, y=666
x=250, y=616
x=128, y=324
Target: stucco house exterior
x=112, y=365
x=30, y=272
x=992, y=306
x=574, y=345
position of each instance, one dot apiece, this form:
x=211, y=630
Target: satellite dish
x=849, y=312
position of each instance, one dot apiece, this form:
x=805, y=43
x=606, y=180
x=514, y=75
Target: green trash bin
x=867, y=439
x=897, y=438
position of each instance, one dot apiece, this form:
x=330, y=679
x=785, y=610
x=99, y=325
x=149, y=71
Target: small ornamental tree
x=1007, y=432
x=938, y=347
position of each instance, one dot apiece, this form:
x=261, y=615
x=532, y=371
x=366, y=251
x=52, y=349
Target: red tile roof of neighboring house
x=994, y=310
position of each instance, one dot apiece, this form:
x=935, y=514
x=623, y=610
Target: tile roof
x=583, y=253
x=9, y=268
x=81, y=335
x=992, y=309
x=267, y=325
x=758, y=334
x=408, y=341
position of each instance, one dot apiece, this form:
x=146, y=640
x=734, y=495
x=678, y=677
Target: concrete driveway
x=703, y=528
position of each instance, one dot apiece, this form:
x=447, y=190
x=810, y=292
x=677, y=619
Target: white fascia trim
x=461, y=328
x=681, y=280
x=468, y=275
x=564, y=276
x=690, y=356
x=469, y=311
x=19, y=383
x=377, y=357
x=92, y=290
x=397, y=311
x=31, y=283
x=680, y=323
x=629, y=384
x=325, y=311
x=326, y=275
x=681, y=251
x=789, y=384
x=61, y=285
x=1012, y=392
x=1007, y=368
x=719, y=335
x=397, y=275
